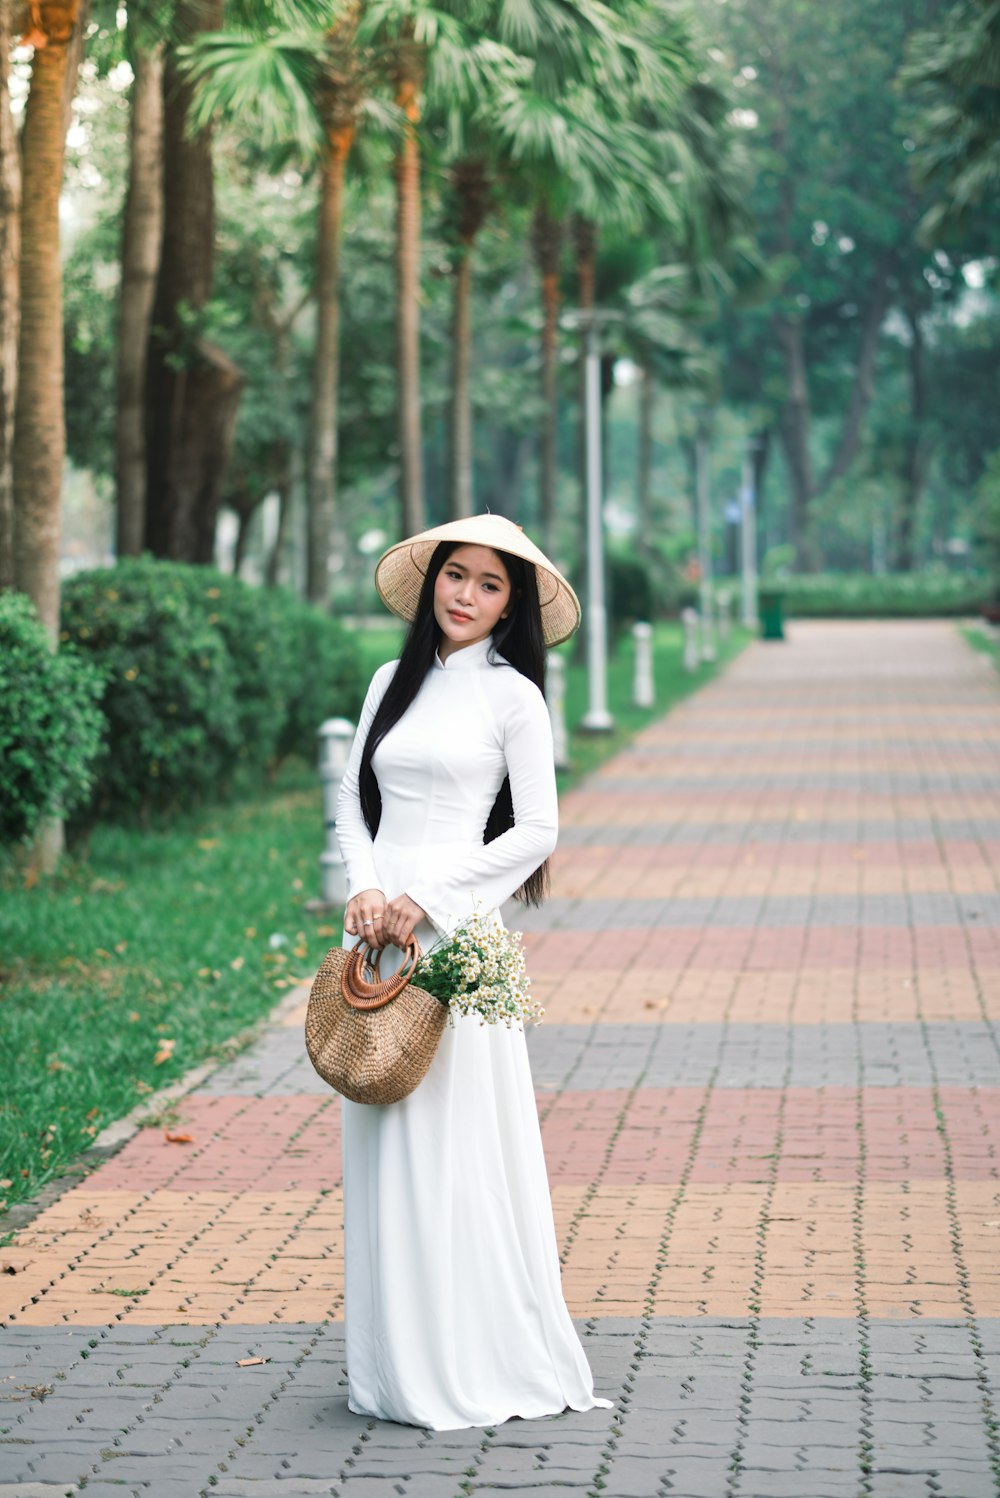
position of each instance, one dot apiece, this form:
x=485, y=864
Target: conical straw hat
x=400, y=573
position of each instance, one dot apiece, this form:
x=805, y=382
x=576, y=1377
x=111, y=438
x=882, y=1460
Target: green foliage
x=325, y=676
x=988, y=523
x=890, y=596
x=952, y=75
x=204, y=675
x=50, y=724
x=630, y=592
x=169, y=697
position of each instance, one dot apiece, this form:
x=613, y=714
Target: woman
x=454, y=1307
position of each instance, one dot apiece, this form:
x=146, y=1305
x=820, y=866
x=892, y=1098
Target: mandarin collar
x=466, y=659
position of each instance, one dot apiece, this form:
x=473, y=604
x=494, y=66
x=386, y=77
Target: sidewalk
x=768, y=1079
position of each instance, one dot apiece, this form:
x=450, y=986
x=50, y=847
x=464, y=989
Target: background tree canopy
x=314, y=258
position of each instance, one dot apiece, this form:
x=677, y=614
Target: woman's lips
x=461, y=618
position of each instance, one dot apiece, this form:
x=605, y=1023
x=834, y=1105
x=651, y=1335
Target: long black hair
x=518, y=639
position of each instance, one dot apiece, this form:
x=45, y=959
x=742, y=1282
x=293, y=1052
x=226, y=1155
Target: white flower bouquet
x=479, y=969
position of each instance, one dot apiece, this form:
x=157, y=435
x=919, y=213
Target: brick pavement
x=768, y=1085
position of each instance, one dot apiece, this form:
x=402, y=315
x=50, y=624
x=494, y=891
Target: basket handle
x=358, y=992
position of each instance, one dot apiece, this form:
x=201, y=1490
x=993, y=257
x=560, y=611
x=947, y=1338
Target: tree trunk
x=245, y=513
x=39, y=448
x=917, y=456
x=460, y=434
x=283, y=486
x=142, y=232
x=10, y=247
x=547, y=237
x=40, y=430
x=321, y=487
x=176, y=457
x=411, y=481
x=794, y=427
x=863, y=387
x=647, y=400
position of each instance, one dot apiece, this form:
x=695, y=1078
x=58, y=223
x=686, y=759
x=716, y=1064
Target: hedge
x=50, y=723
x=204, y=675
x=892, y=595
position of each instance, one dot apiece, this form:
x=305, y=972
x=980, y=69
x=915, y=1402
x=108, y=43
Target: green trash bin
x=771, y=606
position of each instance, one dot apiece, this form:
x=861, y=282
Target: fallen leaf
x=251, y=1362
x=121, y=946
x=13, y=1266
x=164, y=1052
x=237, y=963
x=134, y=1016
x=178, y=1138
x=207, y=843
x=650, y=1004
x=326, y=931
x=251, y=932
x=5, y=1183
x=204, y=972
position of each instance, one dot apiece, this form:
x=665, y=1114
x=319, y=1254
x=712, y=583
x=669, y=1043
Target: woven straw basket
x=373, y=1041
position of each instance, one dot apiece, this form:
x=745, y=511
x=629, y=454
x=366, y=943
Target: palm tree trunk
x=142, y=232
x=793, y=423
x=322, y=467
x=917, y=451
x=40, y=430
x=409, y=81
x=283, y=486
x=177, y=451
x=10, y=247
x=547, y=242
x=461, y=399
x=39, y=425
x=647, y=398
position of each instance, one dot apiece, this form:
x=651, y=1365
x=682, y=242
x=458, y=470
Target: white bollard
x=643, y=691
x=336, y=736
x=725, y=604
x=692, y=644
x=555, y=697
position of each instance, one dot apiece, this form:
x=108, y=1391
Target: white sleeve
x=494, y=871
x=352, y=832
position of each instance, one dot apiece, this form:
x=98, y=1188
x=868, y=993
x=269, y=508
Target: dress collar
x=466, y=659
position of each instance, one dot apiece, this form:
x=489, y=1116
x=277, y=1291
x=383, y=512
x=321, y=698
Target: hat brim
x=400, y=571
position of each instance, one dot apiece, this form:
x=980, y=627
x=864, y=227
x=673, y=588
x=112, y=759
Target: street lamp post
x=705, y=588
x=597, y=719
x=748, y=537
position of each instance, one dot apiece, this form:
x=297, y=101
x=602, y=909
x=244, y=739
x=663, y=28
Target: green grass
x=148, y=955
x=986, y=641
x=160, y=936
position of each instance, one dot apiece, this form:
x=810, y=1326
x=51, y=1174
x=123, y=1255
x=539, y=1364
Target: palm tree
x=142, y=229
x=530, y=132
x=10, y=244
x=312, y=89
x=40, y=430
x=953, y=76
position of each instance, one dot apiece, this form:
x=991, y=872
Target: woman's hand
x=401, y=916
x=365, y=916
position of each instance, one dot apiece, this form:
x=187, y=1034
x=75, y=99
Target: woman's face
x=471, y=594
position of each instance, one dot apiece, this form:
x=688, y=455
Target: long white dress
x=454, y=1309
